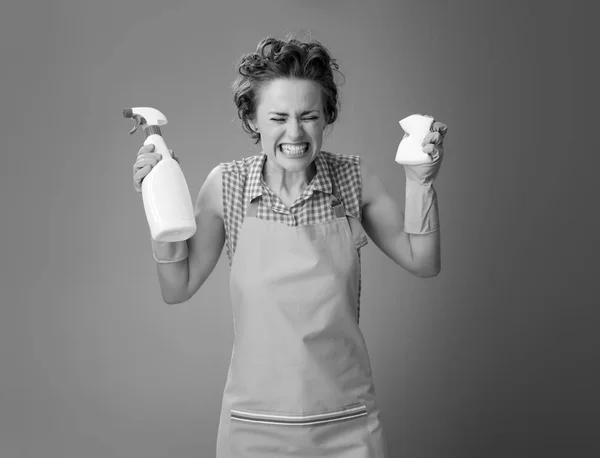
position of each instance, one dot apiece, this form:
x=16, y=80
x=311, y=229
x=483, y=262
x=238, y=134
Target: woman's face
x=290, y=119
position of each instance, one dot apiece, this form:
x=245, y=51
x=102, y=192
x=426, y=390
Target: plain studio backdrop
x=495, y=357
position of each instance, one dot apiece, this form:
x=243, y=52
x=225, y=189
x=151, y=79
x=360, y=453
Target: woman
x=292, y=219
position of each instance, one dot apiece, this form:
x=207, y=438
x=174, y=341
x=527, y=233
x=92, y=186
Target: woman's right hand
x=146, y=161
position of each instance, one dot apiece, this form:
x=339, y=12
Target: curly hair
x=289, y=58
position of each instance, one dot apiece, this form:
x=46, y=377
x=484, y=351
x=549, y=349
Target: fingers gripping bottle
x=410, y=149
x=165, y=192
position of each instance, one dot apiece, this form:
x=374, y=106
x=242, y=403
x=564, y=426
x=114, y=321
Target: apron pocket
x=339, y=433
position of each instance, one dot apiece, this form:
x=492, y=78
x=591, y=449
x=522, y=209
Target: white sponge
x=410, y=149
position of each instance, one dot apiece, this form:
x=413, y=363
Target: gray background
x=495, y=357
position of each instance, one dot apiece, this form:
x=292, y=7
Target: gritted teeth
x=293, y=149
x=295, y=145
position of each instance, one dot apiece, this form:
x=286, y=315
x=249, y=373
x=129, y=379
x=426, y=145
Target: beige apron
x=299, y=383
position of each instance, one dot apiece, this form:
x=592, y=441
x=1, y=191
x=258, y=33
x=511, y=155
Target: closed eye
x=282, y=119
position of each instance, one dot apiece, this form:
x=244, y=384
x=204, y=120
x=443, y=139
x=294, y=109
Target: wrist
x=167, y=252
x=421, y=214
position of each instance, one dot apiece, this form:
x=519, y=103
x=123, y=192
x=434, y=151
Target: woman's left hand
x=433, y=145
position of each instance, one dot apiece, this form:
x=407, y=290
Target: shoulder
x=209, y=197
x=220, y=178
x=372, y=185
x=336, y=161
x=352, y=168
x=238, y=166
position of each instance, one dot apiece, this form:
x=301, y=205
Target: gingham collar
x=321, y=182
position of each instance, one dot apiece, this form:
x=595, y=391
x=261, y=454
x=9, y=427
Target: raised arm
x=383, y=220
x=179, y=281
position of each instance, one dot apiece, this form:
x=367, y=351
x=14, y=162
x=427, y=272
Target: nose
x=295, y=130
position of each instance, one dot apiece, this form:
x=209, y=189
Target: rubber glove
x=146, y=161
x=421, y=208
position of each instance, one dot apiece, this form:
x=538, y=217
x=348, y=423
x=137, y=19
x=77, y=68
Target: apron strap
x=338, y=206
x=358, y=233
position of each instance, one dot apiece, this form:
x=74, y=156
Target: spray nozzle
x=144, y=116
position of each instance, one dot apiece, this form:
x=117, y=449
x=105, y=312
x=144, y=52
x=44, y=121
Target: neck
x=284, y=182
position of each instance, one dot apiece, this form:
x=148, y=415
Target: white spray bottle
x=165, y=192
x=410, y=149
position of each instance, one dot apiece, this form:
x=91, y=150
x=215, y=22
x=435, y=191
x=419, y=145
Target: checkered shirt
x=243, y=181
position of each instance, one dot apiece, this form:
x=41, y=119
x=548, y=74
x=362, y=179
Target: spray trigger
x=137, y=120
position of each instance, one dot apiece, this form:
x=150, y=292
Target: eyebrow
x=279, y=113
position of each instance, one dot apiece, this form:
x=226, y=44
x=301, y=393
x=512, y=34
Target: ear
x=252, y=124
